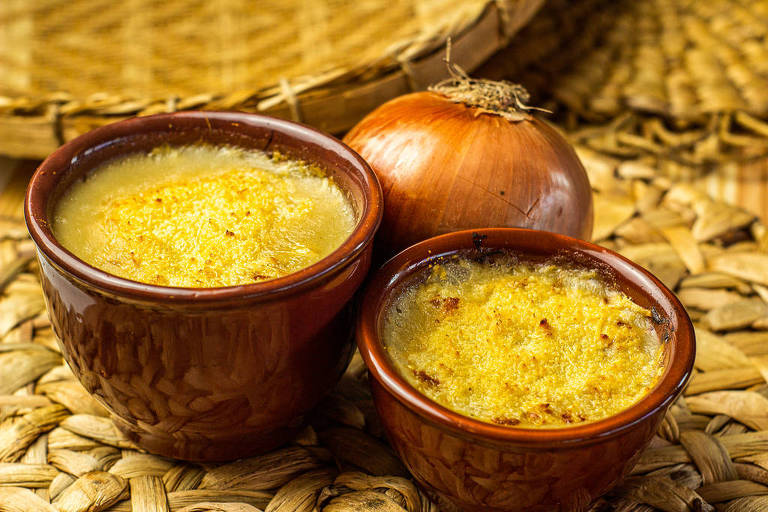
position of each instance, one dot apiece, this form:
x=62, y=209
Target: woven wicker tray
x=683, y=80
x=69, y=66
x=60, y=452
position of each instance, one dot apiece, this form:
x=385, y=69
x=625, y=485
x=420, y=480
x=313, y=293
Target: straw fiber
x=60, y=452
x=69, y=66
x=686, y=80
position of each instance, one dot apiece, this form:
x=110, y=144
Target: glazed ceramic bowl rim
x=670, y=385
x=45, y=179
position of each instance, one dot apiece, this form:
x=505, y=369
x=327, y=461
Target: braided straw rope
x=67, y=66
x=60, y=452
x=683, y=80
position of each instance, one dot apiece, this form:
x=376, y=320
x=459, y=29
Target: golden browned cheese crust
x=523, y=344
x=203, y=216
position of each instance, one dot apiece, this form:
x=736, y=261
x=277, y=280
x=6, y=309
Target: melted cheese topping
x=203, y=216
x=523, y=344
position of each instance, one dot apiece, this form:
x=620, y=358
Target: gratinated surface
x=202, y=216
x=518, y=343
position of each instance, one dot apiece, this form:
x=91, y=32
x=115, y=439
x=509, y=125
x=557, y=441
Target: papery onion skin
x=445, y=166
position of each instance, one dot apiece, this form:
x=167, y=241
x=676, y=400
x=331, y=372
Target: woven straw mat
x=60, y=452
x=683, y=79
x=68, y=66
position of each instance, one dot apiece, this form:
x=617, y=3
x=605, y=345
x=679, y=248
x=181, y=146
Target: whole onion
x=468, y=154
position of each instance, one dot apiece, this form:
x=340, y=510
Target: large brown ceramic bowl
x=205, y=374
x=480, y=466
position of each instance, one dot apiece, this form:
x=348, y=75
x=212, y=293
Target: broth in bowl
x=204, y=373
x=472, y=386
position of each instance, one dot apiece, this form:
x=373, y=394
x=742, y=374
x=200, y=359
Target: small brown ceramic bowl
x=216, y=373
x=480, y=466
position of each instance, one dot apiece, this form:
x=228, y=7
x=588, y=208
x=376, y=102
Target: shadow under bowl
x=208, y=373
x=478, y=466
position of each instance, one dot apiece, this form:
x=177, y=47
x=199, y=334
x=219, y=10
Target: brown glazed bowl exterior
x=480, y=466
x=205, y=374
